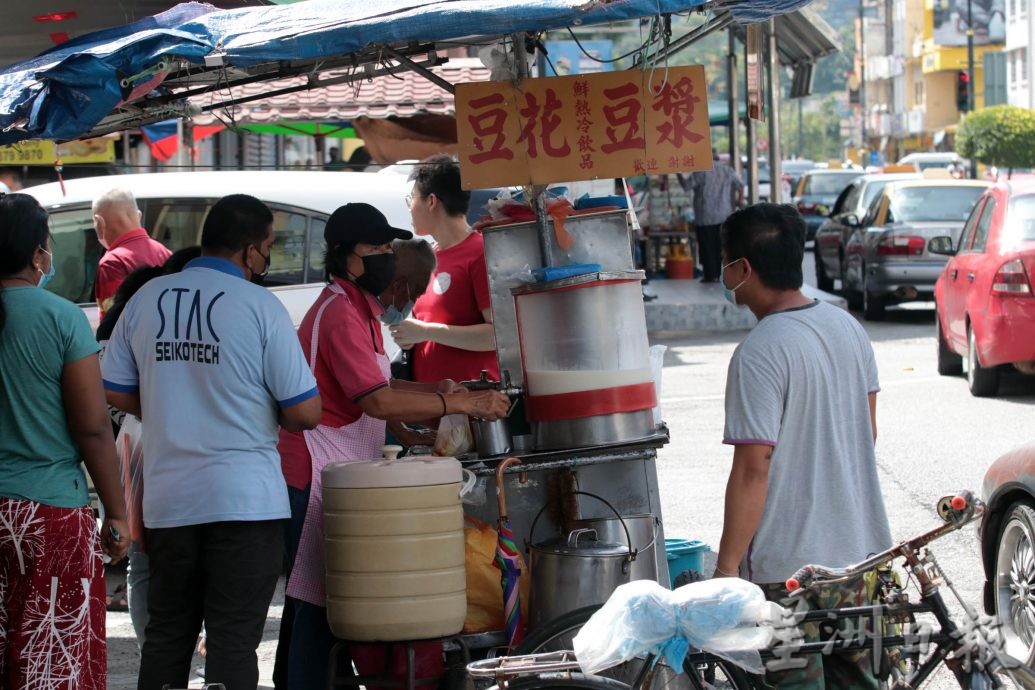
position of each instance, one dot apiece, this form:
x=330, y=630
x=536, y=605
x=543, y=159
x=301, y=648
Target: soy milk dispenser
x=586, y=360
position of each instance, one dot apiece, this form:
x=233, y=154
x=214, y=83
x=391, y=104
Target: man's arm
x=127, y=402
x=746, y=491
x=873, y=414
x=301, y=416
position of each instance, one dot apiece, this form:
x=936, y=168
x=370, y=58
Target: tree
x=1002, y=135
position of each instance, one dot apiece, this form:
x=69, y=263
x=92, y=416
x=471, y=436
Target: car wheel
x=823, y=282
x=949, y=363
x=1014, y=582
x=982, y=381
x=873, y=305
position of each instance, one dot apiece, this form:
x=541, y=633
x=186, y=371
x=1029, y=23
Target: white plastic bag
x=454, y=436
x=728, y=617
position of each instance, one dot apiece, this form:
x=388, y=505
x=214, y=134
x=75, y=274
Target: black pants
x=710, y=250
x=222, y=573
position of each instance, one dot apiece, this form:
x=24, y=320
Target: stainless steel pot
x=491, y=438
x=575, y=570
x=643, y=531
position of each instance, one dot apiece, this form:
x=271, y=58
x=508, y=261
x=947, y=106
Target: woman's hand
x=410, y=332
x=115, y=538
x=488, y=405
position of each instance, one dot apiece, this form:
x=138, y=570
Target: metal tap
x=504, y=386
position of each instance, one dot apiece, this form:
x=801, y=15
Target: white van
x=174, y=207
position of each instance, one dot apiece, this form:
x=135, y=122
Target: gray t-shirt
x=799, y=382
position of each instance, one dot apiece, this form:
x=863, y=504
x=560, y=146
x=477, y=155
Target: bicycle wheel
x=557, y=634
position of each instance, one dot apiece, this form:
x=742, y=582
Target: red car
x=985, y=309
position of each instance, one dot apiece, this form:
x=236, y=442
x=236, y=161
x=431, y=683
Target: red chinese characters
x=677, y=102
x=489, y=121
x=541, y=122
x=623, y=118
x=580, y=90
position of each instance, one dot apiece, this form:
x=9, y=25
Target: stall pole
x=775, y=163
x=733, y=87
x=752, y=151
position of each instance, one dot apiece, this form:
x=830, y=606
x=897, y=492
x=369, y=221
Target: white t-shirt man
x=800, y=382
x=213, y=357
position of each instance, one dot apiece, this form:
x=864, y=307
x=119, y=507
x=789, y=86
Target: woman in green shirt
x=53, y=419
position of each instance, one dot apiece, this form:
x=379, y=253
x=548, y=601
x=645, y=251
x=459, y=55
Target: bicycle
x=910, y=649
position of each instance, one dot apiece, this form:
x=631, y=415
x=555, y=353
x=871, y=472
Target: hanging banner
x=42, y=152
x=755, y=87
x=583, y=127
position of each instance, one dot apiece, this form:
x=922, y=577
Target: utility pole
x=801, y=140
x=971, y=86
x=862, y=80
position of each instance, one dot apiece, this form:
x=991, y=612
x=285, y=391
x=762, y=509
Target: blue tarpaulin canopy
x=126, y=76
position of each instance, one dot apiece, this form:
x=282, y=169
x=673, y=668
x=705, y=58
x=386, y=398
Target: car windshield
x=919, y=204
x=828, y=183
x=1020, y=223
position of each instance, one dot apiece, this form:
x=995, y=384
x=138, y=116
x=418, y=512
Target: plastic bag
x=454, y=436
x=728, y=617
x=484, y=591
x=130, y=450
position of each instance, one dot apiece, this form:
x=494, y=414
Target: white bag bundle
x=728, y=617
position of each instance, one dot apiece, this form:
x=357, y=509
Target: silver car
x=849, y=209
x=887, y=259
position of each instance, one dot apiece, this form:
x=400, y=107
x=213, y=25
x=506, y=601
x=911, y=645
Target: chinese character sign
x=583, y=127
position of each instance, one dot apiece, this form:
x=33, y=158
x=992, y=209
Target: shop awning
x=802, y=37
x=149, y=70
x=402, y=95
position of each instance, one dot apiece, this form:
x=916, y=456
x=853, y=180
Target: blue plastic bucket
x=683, y=555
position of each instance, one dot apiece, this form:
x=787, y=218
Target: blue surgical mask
x=393, y=315
x=727, y=292
x=45, y=278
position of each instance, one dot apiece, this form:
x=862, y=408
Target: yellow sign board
x=39, y=152
x=583, y=127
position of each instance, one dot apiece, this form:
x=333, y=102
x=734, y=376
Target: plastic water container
x=683, y=555
x=394, y=535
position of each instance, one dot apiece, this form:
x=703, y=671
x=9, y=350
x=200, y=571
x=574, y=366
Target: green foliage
x=1002, y=135
x=820, y=131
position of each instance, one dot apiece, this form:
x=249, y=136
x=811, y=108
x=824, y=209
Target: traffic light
x=962, y=91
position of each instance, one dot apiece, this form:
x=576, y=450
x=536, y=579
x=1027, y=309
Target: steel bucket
x=575, y=571
x=643, y=530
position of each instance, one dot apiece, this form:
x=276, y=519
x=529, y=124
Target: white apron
x=360, y=440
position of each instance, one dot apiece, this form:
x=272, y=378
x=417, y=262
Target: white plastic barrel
x=394, y=537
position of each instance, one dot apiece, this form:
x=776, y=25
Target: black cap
x=361, y=223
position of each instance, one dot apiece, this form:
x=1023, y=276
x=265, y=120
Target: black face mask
x=378, y=271
x=260, y=278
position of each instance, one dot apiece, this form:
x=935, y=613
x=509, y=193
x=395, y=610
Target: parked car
x=1007, y=534
x=985, y=309
x=934, y=159
x=887, y=257
x=816, y=193
x=174, y=207
x=848, y=211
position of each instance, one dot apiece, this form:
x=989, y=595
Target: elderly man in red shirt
x=116, y=218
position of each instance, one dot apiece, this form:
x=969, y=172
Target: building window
x=1022, y=54
x=1013, y=8
x=1023, y=8
x=1013, y=67
x=918, y=93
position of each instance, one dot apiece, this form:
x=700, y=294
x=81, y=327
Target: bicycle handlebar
x=956, y=511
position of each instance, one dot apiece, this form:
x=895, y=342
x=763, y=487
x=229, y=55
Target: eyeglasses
x=409, y=200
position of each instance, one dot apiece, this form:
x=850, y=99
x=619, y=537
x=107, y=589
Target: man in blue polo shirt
x=212, y=365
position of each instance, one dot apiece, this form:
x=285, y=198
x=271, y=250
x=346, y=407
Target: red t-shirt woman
x=451, y=333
